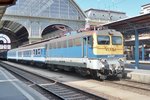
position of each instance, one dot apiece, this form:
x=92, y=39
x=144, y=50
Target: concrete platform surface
x=13, y=89
x=138, y=75
x=141, y=62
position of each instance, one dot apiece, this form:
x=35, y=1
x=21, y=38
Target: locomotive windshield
x=116, y=40
x=103, y=40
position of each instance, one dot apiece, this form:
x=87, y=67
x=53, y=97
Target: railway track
x=132, y=84
x=129, y=85
x=51, y=87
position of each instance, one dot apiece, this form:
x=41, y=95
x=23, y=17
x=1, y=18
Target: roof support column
x=143, y=53
x=136, y=49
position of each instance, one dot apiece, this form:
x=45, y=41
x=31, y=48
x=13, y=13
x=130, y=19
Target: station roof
x=128, y=24
x=142, y=41
x=100, y=10
x=127, y=27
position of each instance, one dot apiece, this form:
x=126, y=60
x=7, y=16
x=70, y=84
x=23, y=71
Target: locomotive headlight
x=103, y=60
x=121, y=60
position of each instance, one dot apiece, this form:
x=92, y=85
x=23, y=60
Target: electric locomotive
x=97, y=53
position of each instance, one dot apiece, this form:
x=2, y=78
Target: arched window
x=5, y=42
x=1, y=42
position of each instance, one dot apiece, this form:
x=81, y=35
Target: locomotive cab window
x=103, y=40
x=116, y=40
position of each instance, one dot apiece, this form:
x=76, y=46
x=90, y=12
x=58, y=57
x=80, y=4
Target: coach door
x=84, y=47
x=46, y=50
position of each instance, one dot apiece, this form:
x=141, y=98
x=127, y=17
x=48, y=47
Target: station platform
x=138, y=75
x=13, y=89
x=142, y=74
x=141, y=62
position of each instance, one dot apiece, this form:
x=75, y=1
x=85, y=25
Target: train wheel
x=96, y=75
x=81, y=71
x=102, y=77
x=93, y=74
x=124, y=75
x=54, y=68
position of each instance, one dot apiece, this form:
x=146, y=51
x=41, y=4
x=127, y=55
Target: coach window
x=33, y=52
x=70, y=43
x=29, y=52
x=77, y=42
x=54, y=45
x=36, y=52
x=49, y=46
x=64, y=44
x=19, y=54
x=39, y=52
x=73, y=40
x=61, y=44
x=58, y=44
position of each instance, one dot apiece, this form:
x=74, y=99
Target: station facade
x=97, y=17
x=145, y=9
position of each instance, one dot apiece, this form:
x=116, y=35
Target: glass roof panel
x=63, y=9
